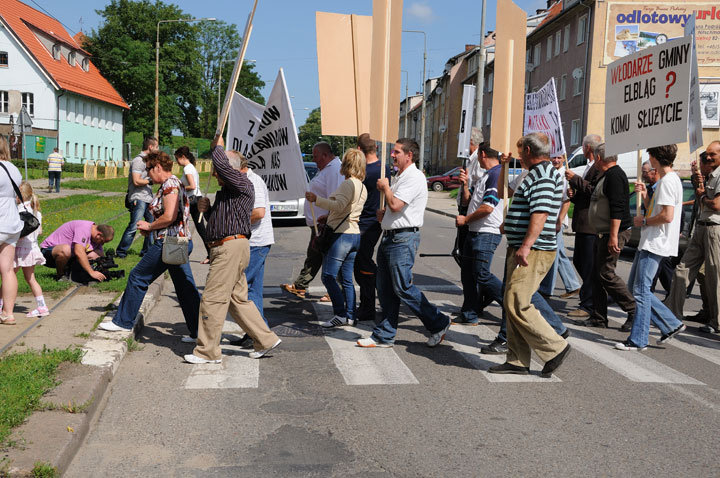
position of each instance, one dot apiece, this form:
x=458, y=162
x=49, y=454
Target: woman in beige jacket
x=345, y=206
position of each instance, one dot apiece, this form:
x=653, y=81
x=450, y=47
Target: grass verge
x=120, y=184
x=24, y=378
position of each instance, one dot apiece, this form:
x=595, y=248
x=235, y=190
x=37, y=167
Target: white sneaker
x=188, y=340
x=110, y=326
x=259, y=353
x=192, y=358
x=438, y=337
x=336, y=321
x=369, y=342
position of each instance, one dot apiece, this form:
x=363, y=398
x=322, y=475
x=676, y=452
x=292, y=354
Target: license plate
x=283, y=207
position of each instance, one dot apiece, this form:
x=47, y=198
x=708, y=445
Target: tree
x=311, y=133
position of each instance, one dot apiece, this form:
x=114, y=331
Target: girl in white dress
x=27, y=251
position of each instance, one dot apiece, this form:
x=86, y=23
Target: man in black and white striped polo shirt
x=530, y=231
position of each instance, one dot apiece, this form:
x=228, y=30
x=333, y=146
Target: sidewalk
x=40, y=187
x=442, y=203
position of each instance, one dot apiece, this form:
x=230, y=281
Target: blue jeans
x=144, y=273
x=254, y=274
x=562, y=265
x=481, y=246
x=339, y=263
x=648, y=308
x=395, y=259
x=54, y=177
x=138, y=211
x=472, y=306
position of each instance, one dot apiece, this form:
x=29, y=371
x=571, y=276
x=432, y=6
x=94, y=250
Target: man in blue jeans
x=401, y=221
x=140, y=196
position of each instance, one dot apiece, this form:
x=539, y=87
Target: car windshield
x=311, y=169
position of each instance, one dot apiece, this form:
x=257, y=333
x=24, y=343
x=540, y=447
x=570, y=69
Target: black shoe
x=565, y=334
x=555, y=362
x=509, y=368
x=627, y=326
x=593, y=322
x=701, y=317
x=245, y=342
x=496, y=347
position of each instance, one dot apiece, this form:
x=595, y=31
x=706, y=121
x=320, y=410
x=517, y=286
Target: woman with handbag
x=171, y=232
x=340, y=239
x=10, y=228
x=191, y=181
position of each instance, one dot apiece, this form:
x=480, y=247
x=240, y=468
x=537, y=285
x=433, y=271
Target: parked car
x=449, y=180
x=293, y=209
x=688, y=195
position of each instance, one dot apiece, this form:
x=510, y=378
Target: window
x=85, y=64
x=488, y=116
x=558, y=40
x=575, y=132
x=71, y=58
x=548, y=49
x=3, y=59
x=582, y=26
x=566, y=40
x=536, y=55
x=563, y=87
x=28, y=101
x=528, y=56
x=56, y=51
x=490, y=82
x=106, y=153
x=579, y=82
x=86, y=114
x=78, y=112
x=67, y=148
x=92, y=151
x=94, y=114
x=4, y=102
x=76, y=150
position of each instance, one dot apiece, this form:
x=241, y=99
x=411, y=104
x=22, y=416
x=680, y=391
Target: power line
x=53, y=16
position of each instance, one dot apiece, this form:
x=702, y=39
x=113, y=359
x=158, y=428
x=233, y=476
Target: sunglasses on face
x=149, y=169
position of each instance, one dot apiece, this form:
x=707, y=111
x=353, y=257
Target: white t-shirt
x=261, y=231
x=323, y=184
x=188, y=170
x=485, y=192
x=663, y=240
x=410, y=187
x=475, y=173
x=10, y=222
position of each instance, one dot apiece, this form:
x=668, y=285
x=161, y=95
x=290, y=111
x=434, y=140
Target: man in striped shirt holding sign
x=530, y=231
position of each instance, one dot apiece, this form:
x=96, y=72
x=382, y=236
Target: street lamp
x=157, y=61
x=220, y=77
x=407, y=107
x=422, y=114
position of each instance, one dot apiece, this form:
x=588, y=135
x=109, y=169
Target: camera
x=104, y=265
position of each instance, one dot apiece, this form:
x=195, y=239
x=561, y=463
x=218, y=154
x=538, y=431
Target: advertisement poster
x=709, y=94
x=633, y=27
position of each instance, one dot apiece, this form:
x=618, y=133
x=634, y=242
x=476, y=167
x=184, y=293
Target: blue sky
x=284, y=34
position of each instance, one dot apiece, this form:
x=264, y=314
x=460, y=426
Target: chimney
x=470, y=47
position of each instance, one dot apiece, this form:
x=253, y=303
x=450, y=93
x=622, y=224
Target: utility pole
x=407, y=106
x=421, y=163
x=480, y=83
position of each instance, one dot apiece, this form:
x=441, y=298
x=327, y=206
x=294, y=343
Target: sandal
x=325, y=298
x=293, y=290
x=7, y=320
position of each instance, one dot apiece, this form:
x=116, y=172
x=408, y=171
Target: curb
x=103, y=350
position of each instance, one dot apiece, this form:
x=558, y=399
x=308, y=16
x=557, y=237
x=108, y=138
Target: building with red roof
x=71, y=105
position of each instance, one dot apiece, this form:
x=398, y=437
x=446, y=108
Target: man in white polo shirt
x=401, y=221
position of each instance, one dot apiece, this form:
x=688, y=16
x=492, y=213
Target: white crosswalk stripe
x=358, y=366
x=237, y=370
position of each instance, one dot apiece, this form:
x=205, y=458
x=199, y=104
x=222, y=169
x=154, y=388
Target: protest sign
x=274, y=153
x=542, y=115
x=646, y=101
x=695, y=137
x=466, y=122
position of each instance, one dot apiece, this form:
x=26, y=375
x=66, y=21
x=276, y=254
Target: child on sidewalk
x=27, y=251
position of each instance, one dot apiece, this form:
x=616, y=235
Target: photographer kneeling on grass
x=79, y=241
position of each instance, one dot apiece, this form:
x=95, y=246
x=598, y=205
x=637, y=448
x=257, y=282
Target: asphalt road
x=321, y=407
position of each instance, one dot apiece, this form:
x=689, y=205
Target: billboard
x=632, y=27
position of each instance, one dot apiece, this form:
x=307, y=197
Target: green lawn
x=34, y=173
x=120, y=184
x=24, y=379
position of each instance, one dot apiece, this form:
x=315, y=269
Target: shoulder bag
x=326, y=237
x=175, y=248
x=30, y=222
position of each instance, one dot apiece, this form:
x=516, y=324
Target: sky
x=284, y=34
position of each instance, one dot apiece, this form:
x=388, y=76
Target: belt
x=707, y=223
x=225, y=239
x=392, y=232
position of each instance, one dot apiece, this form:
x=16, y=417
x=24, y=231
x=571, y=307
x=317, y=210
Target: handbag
x=175, y=248
x=30, y=222
x=326, y=235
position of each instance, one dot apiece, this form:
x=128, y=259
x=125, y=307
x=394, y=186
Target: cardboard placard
x=542, y=115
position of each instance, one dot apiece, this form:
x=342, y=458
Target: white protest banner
x=244, y=121
x=466, y=117
x=646, y=102
x=275, y=151
x=695, y=137
x=542, y=115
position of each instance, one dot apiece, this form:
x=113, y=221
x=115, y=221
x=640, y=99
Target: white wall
x=22, y=75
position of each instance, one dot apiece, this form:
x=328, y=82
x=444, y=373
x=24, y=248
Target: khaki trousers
x=526, y=328
x=703, y=247
x=226, y=288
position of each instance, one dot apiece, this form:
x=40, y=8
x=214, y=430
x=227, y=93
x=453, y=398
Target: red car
x=449, y=180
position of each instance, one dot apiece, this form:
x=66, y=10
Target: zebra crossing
x=391, y=367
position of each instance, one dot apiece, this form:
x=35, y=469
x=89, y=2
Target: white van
x=627, y=161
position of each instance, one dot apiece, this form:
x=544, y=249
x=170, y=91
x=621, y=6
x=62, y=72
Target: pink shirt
x=72, y=232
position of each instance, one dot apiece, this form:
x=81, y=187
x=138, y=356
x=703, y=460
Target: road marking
x=634, y=366
x=319, y=291
x=466, y=340
x=358, y=366
x=237, y=370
